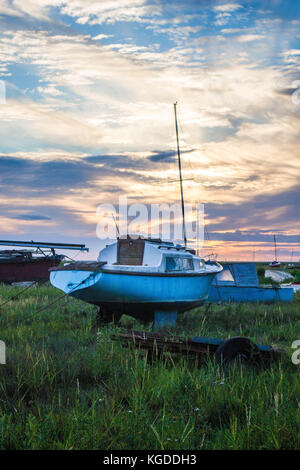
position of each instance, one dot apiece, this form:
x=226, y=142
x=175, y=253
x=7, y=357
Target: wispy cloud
x=30, y=217
x=228, y=7
x=107, y=11
x=249, y=37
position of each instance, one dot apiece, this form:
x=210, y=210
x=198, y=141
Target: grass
x=295, y=273
x=66, y=387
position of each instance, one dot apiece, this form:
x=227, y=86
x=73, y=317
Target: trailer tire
x=240, y=349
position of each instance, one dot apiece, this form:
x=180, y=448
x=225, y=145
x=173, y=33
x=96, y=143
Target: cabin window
x=173, y=264
x=188, y=264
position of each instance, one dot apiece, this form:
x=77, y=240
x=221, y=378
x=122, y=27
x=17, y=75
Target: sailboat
x=149, y=279
x=275, y=263
x=29, y=265
x=291, y=265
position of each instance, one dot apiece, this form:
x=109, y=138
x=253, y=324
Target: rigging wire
x=19, y=293
x=34, y=284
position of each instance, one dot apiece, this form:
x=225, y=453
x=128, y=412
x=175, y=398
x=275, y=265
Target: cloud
x=291, y=52
x=227, y=7
x=166, y=156
x=230, y=120
x=6, y=9
x=102, y=36
x=56, y=178
x=249, y=37
x=35, y=8
x=30, y=217
x=254, y=236
x=106, y=11
x=291, y=56
x=259, y=212
x=286, y=91
x=50, y=90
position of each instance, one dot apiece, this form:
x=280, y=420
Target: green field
x=68, y=386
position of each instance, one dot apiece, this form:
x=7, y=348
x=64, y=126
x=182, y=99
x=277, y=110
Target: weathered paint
x=216, y=342
x=164, y=319
x=249, y=294
x=206, y=340
x=99, y=287
x=238, y=282
x=29, y=270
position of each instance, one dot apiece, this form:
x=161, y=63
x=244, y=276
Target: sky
x=87, y=116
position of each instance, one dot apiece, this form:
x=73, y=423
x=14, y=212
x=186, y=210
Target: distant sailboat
x=275, y=263
x=291, y=264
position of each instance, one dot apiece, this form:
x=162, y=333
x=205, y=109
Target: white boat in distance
x=146, y=278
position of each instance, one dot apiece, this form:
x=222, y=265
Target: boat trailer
x=224, y=351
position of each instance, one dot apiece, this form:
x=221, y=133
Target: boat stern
x=75, y=276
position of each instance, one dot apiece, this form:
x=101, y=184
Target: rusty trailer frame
x=156, y=344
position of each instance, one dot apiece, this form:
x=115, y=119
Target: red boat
x=31, y=265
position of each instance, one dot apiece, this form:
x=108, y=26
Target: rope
x=19, y=293
x=72, y=259
x=52, y=303
x=64, y=294
x=14, y=297
x=49, y=305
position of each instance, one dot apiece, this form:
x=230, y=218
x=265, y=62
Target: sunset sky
x=88, y=117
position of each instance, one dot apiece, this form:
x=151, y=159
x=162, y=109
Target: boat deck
x=81, y=266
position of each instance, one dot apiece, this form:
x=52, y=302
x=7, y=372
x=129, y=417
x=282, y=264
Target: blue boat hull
x=249, y=294
x=139, y=295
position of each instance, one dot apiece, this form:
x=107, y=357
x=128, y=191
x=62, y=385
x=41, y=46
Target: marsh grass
x=66, y=386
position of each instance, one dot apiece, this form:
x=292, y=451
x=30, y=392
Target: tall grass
x=67, y=386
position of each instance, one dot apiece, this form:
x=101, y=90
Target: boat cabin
x=141, y=254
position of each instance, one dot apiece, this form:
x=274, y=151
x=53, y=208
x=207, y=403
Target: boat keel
x=162, y=318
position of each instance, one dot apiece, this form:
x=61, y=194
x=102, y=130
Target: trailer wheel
x=237, y=349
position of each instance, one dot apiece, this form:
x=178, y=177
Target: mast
x=275, y=248
x=32, y=244
x=180, y=176
x=116, y=224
